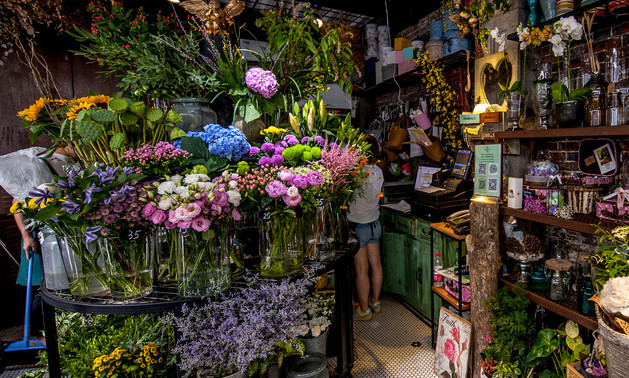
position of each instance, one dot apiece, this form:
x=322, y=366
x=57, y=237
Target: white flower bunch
x=614, y=297
x=566, y=29
x=318, y=315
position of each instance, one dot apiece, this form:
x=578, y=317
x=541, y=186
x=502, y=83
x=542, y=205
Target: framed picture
x=605, y=158
x=453, y=345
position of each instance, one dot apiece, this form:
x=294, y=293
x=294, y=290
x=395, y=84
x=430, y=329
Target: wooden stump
x=483, y=248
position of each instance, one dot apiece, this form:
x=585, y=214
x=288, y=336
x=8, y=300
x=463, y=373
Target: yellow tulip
x=311, y=119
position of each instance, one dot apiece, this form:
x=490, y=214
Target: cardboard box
x=491, y=117
x=409, y=53
x=389, y=58
x=406, y=66
x=384, y=72
x=466, y=119
x=400, y=44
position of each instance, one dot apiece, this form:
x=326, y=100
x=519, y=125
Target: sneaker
x=375, y=307
x=359, y=315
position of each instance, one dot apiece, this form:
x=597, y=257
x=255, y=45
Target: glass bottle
x=613, y=60
x=594, y=111
x=615, y=110
x=436, y=276
x=586, y=71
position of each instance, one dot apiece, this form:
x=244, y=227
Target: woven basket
x=616, y=348
x=582, y=199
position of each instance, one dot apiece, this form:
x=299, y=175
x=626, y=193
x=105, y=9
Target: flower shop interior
x=181, y=181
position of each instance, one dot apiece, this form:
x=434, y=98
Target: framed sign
x=453, y=345
x=487, y=170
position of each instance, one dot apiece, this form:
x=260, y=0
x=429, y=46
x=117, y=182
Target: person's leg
x=373, y=253
x=361, y=264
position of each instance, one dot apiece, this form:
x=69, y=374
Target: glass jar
x=615, y=110
x=542, y=97
x=595, y=111
x=557, y=288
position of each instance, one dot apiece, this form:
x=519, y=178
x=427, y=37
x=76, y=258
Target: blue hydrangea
x=227, y=142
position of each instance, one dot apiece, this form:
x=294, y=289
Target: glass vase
x=195, y=112
x=202, y=262
x=516, y=110
x=84, y=265
x=321, y=232
x=165, y=264
x=281, y=245
x=129, y=263
x=542, y=102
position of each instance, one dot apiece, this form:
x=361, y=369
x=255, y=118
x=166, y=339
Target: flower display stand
x=167, y=299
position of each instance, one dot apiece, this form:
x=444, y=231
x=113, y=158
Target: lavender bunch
x=226, y=335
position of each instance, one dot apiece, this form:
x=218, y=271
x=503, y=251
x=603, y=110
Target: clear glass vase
x=281, y=245
x=85, y=266
x=129, y=263
x=321, y=232
x=203, y=267
x=516, y=110
x=165, y=263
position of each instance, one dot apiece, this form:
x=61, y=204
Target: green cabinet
x=406, y=258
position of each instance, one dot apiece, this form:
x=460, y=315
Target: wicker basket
x=616, y=348
x=572, y=372
x=582, y=199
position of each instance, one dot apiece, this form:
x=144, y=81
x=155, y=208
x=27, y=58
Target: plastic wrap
x=22, y=170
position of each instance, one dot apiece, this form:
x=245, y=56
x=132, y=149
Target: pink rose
x=449, y=349
x=148, y=210
x=291, y=201
x=200, y=224
x=158, y=217
x=455, y=334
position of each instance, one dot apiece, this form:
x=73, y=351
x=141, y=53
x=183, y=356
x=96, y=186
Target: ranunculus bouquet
x=195, y=209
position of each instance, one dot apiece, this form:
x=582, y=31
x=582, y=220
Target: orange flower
x=343, y=207
x=363, y=161
x=380, y=195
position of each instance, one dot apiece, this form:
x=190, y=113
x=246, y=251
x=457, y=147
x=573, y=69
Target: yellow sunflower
x=32, y=112
x=76, y=109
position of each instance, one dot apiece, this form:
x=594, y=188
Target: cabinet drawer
x=405, y=224
x=422, y=230
x=387, y=218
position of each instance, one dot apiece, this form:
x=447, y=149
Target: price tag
x=321, y=201
x=266, y=215
x=132, y=234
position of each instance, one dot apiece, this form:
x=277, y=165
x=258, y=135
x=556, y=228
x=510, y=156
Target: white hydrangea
x=614, y=297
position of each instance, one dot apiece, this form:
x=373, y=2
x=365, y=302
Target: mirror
x=491, y=70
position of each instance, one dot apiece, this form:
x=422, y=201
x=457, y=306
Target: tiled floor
x=15, y=365
x=384, y=345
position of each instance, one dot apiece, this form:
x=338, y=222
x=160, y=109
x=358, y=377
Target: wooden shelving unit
x=443, y=293
x=575, y=132
x=581, y=222
x=567, y=309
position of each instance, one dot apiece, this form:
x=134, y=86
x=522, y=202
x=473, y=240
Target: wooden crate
x=572, y=372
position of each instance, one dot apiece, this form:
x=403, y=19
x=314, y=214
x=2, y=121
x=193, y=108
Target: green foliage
x=84, y=338
x=612, y=257
x=505, y=369
x=512, y=327
x=561, y=93
x=202, y=156
x=148, y=53
x=506, y=89
x=559, y=347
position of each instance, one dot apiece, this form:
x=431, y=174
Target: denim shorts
x=368, y=233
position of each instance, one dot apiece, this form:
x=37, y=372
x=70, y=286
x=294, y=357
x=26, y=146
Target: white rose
x=614, y=298
x=165, y=203
x=176, y=179
x=292, y=191
x=234, y=197
x=166, y=187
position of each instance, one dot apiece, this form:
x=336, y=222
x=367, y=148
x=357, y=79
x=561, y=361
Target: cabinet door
x=393, y=262
x=413, y=273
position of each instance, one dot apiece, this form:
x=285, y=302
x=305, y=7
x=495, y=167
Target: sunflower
x=96, y=99
x=32, y=112
x=74, y=111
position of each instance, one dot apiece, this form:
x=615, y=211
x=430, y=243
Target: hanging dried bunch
x=532, y=244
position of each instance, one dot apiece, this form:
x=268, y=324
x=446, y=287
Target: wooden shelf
x=566, y=309
x=575, y=132
x=581, y=222
x=443, y=293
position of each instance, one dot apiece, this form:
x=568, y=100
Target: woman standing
x=364, y=218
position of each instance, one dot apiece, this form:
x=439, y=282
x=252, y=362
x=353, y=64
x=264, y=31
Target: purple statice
x=275, y=189
x=261, y=81
x=225, y=335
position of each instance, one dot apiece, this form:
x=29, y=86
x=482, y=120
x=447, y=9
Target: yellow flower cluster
x=87, y=102
x=537, y=36
x=327, y=177
x=120, y=361
x=17, y=206
x=434, y=80
x=105, y=365
x=32, y=112
x=272, y=130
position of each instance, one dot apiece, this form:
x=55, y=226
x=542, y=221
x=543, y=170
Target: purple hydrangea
x=275, y=189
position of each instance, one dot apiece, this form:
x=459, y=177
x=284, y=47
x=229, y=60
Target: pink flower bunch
x=535, y=205
x=159, y=159
x=261, y=81
x=194, y=201
x=344, y=164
